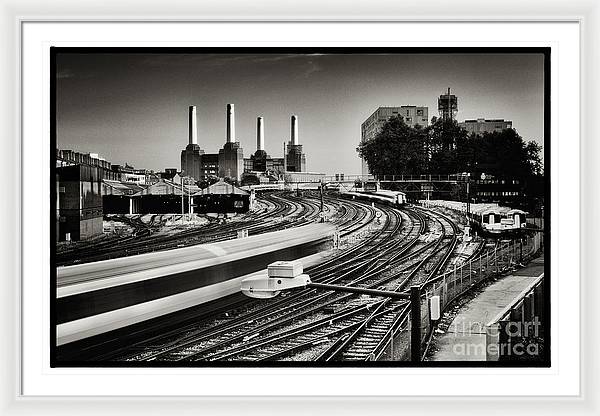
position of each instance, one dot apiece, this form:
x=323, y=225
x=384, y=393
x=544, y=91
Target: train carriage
x=392, y=198
x=489, y=218
x=107, y=295
x=519, y=217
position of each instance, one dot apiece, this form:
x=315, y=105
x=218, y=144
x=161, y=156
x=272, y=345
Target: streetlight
x=189, y=197
x=467, y=176
x=468, y=197
x=182, y=197
x=287, y=275
x=321, y=208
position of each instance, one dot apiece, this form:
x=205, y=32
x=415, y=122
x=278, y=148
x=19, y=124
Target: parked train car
x=399, y=197
x=392, y=198
x=497, y=220
x=489, y=218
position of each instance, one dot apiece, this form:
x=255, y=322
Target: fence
x=422, y=178
x=452, y=284
x=517, y=331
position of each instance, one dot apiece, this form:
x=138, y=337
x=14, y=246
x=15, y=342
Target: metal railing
x=395, y=178
x=518, y=328
x=451, y=285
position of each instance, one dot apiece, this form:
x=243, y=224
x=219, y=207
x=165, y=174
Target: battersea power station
x=230, y=162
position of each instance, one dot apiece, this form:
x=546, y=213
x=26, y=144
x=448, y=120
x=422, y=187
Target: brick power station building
x=230, y=161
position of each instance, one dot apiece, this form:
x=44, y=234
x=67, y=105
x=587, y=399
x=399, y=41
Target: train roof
x=106, y=273
x=393, y=193
x=371, y=195
x=478, y=209
x=488, y=209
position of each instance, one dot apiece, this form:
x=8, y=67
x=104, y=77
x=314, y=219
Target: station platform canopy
x=112, y=187
x=166, y=187
x=221, y=188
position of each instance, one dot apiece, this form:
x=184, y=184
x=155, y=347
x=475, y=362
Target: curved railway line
x=353, y=217
x=411, y=246
x=295, y=324
x=355, y=328
x=349, y=217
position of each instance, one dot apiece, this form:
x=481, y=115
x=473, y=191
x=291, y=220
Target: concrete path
x=465, y=337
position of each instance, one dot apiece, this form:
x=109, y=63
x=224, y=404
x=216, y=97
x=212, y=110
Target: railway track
x=197, y=343
x=366, y=341
x=350, y=217
x=366, y=322
x=410, y=247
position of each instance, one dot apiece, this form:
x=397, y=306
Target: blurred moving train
x=98, y=297
x=372, y=192
x=489, y=218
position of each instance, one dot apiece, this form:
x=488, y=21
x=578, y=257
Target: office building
x=481, y=125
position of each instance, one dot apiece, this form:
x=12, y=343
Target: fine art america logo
x=517, y=339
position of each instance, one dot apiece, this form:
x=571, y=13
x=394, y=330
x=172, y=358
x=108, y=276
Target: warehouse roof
x=166, y=187
x=221, y=188
x=121, y=188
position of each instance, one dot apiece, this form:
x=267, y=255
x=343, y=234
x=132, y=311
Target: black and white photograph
x=299, y=207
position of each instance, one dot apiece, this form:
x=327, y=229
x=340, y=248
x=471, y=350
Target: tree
x=506, y=154
x=205, y=183
x=449, y=148
x=231, y=181
x=250, y=179
x=533, y=151
x=446, y=148
x=397, y=149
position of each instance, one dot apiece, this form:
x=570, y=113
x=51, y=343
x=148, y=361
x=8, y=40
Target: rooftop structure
x=448, y=106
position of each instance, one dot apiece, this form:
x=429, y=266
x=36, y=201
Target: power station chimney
x=294, y=129
x=230, y=124
x=260, y=134
x=193, y=130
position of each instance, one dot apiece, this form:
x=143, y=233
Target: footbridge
x=405, y=183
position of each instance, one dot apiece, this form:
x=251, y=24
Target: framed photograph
x=349, y=207
x=158, y=267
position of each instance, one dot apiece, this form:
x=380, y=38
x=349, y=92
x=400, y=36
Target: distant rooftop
x=492, y=120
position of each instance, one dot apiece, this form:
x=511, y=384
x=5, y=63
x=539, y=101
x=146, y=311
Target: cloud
x=68, y=73
x=220, y=60
x=312, y=67
x=65, y=73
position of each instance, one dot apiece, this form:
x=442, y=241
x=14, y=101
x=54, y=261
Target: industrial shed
x=222, y=197
x=164, y=197
x=118, y=197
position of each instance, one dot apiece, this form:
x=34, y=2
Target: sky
x=133, y=108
